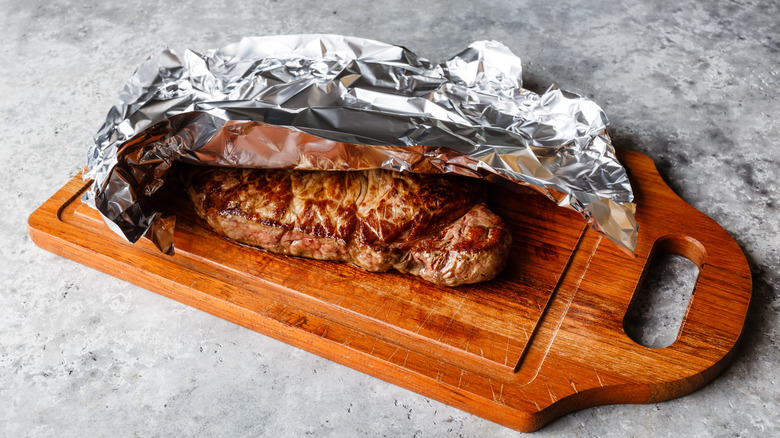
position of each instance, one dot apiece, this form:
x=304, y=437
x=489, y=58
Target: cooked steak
x=433, y=226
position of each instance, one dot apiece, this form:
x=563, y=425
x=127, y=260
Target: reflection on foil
x=333, y=102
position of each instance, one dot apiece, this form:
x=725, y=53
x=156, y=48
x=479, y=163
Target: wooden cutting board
x=542, y=340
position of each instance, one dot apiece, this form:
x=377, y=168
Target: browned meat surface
x=432, y=226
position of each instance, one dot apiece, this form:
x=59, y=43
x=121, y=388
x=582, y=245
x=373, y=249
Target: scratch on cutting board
x=552, y=396
x=375, y=313
x=324, y=328
x=498, y=398
x=420, y=326
x=506, y=348
x=573, y=386
x=451, y=318
x=394, y=352
x=373, y=347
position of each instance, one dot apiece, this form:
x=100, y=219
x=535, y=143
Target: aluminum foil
x=333, y=102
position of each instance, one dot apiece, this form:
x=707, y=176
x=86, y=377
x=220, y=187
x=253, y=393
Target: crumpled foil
x=334, y=102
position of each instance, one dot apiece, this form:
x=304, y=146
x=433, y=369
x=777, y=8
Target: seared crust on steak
x=432, y=226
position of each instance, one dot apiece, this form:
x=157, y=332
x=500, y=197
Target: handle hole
x=656, y=312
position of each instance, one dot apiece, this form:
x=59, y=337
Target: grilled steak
x=432, y=226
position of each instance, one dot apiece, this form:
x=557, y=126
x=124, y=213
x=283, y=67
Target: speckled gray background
x=694, y=85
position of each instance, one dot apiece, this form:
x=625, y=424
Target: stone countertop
x=694, y=85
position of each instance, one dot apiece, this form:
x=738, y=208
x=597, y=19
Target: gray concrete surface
x=694, y=85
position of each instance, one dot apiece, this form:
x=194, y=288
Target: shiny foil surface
x=327, y=102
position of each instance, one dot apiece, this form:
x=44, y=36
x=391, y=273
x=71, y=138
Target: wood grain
x=543, y=339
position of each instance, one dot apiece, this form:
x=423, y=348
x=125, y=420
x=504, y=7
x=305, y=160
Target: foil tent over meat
x=328, y=102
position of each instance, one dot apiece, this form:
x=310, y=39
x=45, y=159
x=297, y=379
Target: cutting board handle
x=716, y=312
x=681, y=245
x=716, y=287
